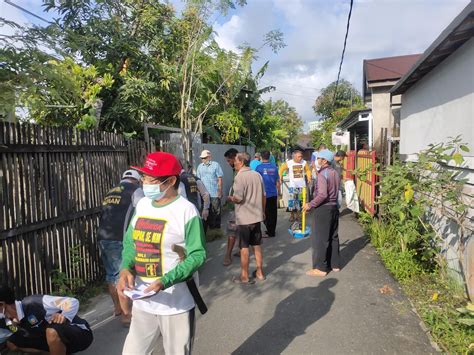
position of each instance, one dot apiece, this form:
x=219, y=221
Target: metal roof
x=459, y=31
x=389, y=68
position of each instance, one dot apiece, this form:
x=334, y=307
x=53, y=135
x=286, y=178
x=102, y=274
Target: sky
x=314, y=35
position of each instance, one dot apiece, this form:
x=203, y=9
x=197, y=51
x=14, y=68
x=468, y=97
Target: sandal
x=227, y=262
x=316, y=272
x=237, y=280
x=336, y=269
x=254, y=275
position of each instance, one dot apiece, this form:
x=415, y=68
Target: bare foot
x=316, y=272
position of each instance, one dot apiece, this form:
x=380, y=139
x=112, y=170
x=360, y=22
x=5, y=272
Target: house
x=380, y=122
x=437, y=103
x=303, y=143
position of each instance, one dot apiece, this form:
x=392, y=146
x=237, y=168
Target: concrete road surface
x=290, y=312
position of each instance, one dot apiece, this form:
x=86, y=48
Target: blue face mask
x=153, y=191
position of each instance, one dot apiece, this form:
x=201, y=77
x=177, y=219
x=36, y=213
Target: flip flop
x=336, y=269
x=254, y=275
x=237, y=280
x=227, y=262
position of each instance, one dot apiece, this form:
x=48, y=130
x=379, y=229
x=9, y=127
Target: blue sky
x=314, y=33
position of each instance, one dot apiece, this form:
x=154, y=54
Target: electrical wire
x=343, y=52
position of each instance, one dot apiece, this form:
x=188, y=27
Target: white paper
x=138, y=293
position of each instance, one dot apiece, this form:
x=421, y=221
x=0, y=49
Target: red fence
x=361, y=167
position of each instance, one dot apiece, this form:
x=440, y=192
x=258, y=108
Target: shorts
x=249, y=234
x=294, y=201
x=111, y=254
x=75, y=338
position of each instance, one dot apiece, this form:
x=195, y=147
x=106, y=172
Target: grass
x=434, y=295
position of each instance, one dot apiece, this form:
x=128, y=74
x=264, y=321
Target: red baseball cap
x=160, y=164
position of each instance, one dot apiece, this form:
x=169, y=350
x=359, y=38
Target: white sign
x=340, y=138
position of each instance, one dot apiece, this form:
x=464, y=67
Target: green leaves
x=458, y=158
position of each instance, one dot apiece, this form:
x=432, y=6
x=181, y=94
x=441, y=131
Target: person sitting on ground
x=45, y=323
x=231, y=229
x=249, y=199
x=297, y=169
x=256, y=161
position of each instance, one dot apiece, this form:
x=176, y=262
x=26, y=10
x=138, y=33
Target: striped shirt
x=209, y=174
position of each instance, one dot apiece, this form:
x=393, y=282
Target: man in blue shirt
x=255, y=161
x=271, y=180
x=210, y=173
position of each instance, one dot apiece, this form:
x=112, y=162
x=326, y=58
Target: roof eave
x=422, y=66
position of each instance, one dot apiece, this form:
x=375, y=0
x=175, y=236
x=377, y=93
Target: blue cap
x=326, y=154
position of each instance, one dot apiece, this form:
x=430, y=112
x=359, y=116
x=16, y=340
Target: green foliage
x=347, y=96
x=408, y=244
x=334, y=111
x=230, y=125
x=65, y=285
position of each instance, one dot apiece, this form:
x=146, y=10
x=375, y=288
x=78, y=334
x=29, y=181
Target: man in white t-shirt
x=300, y=176
x=163, y=219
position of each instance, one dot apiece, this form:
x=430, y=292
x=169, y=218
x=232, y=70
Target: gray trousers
x=143, y=337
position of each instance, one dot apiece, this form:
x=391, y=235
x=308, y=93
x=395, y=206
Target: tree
x=347, y=96
x=334, y=111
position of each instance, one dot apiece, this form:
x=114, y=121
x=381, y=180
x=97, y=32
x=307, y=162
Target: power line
x=343, y=51
x=27, y=11
x=267, y=82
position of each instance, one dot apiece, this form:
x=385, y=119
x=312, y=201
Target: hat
x=326, y=154
x=205, y=153
x=131, y=174
x=160, y=164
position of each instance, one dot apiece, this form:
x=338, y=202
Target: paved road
x=292, y=313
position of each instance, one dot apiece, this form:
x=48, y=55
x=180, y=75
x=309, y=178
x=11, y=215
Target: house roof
x=304, y=142
x=459, y=31
x=390, y=68
x=351, y=119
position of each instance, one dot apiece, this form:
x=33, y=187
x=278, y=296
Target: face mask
x=318, y=166
x=153, y=191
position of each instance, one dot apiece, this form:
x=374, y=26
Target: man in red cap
x=162, y=220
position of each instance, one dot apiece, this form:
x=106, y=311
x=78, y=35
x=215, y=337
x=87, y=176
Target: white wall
x=441, y=105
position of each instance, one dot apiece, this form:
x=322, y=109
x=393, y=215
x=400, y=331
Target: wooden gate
x=361, y=167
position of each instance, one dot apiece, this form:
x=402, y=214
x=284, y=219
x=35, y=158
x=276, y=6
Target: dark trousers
x=325, y=238
x=214, y=219
x=271, y=209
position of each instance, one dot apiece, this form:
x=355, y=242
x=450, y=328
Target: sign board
x=340, y=138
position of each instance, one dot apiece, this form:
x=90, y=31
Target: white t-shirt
x=155, y=230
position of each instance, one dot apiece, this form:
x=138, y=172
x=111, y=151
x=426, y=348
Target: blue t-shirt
x=270, y=176
x=254, y=163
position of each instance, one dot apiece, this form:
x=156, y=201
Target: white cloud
x=314, y=33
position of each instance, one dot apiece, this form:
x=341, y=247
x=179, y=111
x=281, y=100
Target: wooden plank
x=50, y=222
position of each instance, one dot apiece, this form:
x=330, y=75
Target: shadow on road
x=292, y=316
x=350, y=248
